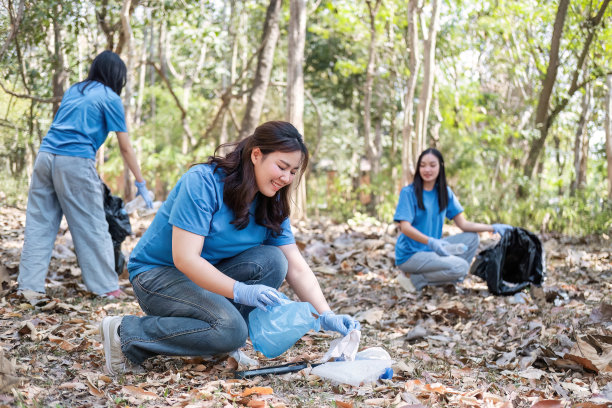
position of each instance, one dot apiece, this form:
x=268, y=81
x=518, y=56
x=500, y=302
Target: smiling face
x=275, y=170
x=429, y=170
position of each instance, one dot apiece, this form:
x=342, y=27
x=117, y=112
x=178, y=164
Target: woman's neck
x=428, y=186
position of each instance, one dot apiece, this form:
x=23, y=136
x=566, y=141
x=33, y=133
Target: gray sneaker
x=116, y=363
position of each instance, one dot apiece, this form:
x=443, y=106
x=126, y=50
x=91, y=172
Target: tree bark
x=127, y=41
x=295, y=92
x=15, y=22
x=429, y=64
x=371, y=149
x=59, y=72
x=544, y=119
x=608, y=132
x=262, y=73
x=581, y=143
x=408, y=153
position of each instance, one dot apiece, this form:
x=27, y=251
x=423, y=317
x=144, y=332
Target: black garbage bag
x=118, y=225
x=512, y=264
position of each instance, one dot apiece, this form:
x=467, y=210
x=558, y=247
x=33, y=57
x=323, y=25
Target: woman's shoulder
x=409, y=189
x=206, y=171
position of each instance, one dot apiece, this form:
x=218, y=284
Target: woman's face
x=275, y=170
x=430, y=168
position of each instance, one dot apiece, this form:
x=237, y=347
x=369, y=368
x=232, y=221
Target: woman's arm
x=407, y=229
x=302, y=280
x=128, y=155
x=186, y=254
x=468, y=226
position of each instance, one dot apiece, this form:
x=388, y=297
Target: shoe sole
x=105, y=325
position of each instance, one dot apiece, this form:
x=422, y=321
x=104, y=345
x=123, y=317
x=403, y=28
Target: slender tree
x=408, y=150
x=295, y=88
x=265, y=62
x=608, y=132
x=429, y=67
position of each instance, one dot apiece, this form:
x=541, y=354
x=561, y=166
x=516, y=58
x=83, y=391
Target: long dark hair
x=108, y=69
x=240, y=184
x=440, y=181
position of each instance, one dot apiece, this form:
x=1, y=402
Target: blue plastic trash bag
x=275, y=331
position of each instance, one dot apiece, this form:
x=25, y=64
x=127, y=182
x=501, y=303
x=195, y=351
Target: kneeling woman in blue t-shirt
x=220, y=245
x=421, y=251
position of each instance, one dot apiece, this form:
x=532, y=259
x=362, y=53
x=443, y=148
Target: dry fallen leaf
x=547, y=404
x=139, y=392
x=257, y=390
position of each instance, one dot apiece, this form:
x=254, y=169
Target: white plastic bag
x=345, y=348
x=367, y=367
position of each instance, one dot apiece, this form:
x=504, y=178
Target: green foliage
x=491, y=57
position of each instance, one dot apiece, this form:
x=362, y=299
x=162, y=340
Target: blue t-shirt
x=83, y=121
x=196, y=205
x=428, y=221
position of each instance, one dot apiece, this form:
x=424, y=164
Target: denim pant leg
x=43, y=217
x=265, y=265
x=81, y=196
x=185, y=320
x=182, y=319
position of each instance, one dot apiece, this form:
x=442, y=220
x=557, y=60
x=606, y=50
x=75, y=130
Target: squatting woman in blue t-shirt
x=65, y=181
x=421, y=252
x=220, y=245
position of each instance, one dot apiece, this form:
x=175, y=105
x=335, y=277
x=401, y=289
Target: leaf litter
x=547, y=347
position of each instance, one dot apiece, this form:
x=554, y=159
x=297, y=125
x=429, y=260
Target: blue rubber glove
x=260, y=296
x=437, y=245
x=501, y=228
x=142, y=191
x=342, y=324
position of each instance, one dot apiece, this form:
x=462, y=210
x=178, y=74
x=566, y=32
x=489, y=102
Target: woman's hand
x=437, y=245
x=142, y=191
x=260, y=296
x=342, y=324
x=501, y=228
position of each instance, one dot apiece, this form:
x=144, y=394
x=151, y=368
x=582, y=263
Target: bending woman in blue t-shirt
x=65, y=181
x=220, y=245
x=423, y=205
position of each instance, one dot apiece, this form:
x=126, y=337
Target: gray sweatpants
x=69, y=186
x=429, y=268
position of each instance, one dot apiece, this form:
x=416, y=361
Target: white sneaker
x=405, y=283
x=242, y=359
x=116, y=363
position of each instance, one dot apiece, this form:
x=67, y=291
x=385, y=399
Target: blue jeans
x=430, y=269
x=185, y=320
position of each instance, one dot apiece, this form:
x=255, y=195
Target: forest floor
x=453, y=348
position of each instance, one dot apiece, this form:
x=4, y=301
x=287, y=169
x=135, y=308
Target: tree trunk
x=544, y=119
x=59, y=73
x=15, y=22
x=581, y=143
x=228, y=80
x=429, y=65
x=128, y=42
x=142, y=76
x=608, y=131
x=295, y=91
x=264, y=68
x=408, y=153
x=371, y=147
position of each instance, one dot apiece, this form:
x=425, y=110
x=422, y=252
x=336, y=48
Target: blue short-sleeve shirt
x=83, y=121
x=428, y=221
x=196, y=205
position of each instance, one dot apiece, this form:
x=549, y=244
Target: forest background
x=516, y=94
